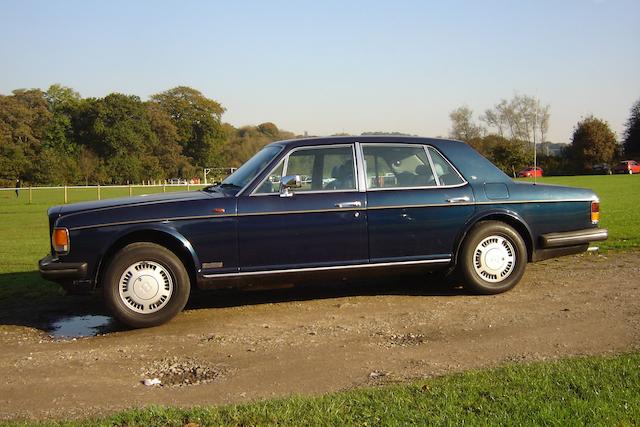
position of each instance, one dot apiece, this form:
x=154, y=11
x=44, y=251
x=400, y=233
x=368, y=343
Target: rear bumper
x=553, y=245
x=62, y=272
x=573, y=238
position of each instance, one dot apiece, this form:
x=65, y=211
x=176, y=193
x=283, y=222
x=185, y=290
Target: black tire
x=134, y=274
x=493, y=258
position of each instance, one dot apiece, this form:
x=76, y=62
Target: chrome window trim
x=243, y=189
x=329, y=268
x=464, y=181
x=253, y=193
x=310, y=147
x=433, y=169
x=425, y=147
x=431, y=187
x=361, y=168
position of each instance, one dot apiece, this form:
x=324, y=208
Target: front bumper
x=62, y=272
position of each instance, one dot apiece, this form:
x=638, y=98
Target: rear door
x=417, y=203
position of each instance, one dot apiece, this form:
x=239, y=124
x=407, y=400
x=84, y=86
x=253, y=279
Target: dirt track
x=245, y=346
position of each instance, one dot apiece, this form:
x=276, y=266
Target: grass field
x=25, y=231
x=586, y=391
x=583, y=391
x=25, y=237
x=619, y=205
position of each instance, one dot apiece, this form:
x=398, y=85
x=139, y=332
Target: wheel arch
x=166, y=237
x=508, y=217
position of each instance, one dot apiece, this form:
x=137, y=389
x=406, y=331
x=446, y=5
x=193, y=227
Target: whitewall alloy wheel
x=145, y=284
x=493, y=258
x=145, y=287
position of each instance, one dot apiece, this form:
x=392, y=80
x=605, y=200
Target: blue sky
x=337, y=66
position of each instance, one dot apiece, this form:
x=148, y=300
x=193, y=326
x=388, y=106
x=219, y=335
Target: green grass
x=25, y=237
x=583, y=391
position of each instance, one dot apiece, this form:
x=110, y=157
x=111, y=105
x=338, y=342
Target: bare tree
x=462, y=125
x=523, y=118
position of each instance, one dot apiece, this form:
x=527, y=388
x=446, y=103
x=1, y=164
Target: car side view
x=627, y=166
x=316, y=209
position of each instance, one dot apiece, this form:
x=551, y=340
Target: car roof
x=327, y=140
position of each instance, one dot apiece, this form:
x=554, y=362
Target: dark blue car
x=321, y=208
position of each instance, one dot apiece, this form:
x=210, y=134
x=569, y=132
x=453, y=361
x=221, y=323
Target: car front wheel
x=145, y=285
x=493, y=258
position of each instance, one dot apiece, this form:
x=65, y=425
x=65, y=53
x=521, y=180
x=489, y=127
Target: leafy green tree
x=508, y=154
x=593, y=142
x=166, y=147
x=63, y=103
x=269, y=129
x=24, y=117
x=118, y=131
x=632, y=132
x=198, y=123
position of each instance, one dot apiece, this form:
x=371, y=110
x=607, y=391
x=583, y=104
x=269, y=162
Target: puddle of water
x=80, y=326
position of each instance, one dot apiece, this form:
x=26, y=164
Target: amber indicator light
x=595, y=212
x=218, y=210
x=61, y=239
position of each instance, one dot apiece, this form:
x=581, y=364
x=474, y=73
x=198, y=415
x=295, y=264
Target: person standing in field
x=18, y=187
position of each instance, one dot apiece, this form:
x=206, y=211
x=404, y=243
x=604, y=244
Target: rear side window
x=397, y=166
x=447, y=175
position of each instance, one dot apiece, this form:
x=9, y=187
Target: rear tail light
x=595, y=212
x=60, y=240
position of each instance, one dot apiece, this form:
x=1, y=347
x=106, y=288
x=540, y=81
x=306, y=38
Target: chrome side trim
x=143, y=221
x=301, y=211
x=430, y=205
x=335, y=267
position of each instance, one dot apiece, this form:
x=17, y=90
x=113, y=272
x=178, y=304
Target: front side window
x=245, y=173
x=320, y=169
x=397, y=166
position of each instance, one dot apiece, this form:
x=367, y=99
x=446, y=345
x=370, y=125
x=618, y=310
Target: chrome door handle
x=458, y=199
x=349, y=205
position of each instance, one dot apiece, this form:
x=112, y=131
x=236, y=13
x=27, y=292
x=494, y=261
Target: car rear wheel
x=493, y=258
x=145, y=285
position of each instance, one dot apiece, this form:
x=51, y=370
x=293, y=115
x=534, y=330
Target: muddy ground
x=239, y=347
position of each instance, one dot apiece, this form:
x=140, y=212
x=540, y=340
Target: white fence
x=92, y=192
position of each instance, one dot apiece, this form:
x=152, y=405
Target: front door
x=324, y=223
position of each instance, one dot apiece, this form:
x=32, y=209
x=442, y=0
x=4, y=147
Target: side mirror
x=287, y=183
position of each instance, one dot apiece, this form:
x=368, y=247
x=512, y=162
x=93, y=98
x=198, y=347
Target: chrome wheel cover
x=494, y=259
x=145, y=287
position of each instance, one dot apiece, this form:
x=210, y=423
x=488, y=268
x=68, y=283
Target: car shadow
x=28, y=300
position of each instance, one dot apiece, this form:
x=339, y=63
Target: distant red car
x=530, y=172
x=627, y=166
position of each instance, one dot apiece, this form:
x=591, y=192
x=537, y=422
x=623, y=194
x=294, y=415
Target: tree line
x=56, y=137
x=508, y=132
